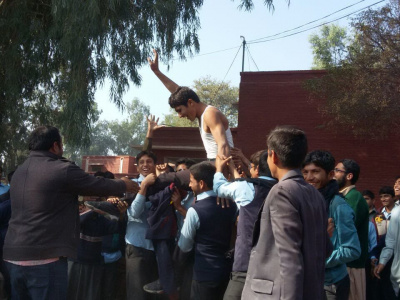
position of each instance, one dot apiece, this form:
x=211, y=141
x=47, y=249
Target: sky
x=222, y=25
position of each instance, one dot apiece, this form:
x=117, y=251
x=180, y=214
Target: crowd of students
x=190, y=237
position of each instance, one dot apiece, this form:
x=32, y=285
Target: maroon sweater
x=45, y=219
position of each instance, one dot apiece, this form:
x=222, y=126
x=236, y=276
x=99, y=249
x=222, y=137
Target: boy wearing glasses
x=346, y=174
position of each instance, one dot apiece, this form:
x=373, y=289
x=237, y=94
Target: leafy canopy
x=362, y=95
x=55, y=53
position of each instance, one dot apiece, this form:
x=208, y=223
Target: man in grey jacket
x=290, y=238
x=44, y=226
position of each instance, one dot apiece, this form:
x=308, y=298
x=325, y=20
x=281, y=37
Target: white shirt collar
x=205, y=195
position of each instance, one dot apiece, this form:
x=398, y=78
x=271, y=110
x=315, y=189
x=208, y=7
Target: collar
x=292, y=173
x=266, y=178
x=205, y=195
x=140, y=178
x=44, y=153
x=346, y=190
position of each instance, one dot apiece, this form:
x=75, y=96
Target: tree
x=114, y=137
x=172, y=119
x=329, y=48
x=363, y=95
x=212, y=92
x=131, y=131
x=55, y=53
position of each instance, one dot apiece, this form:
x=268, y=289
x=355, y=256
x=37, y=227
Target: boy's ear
x=257, y=171
x=275, y=158
x=331, y=174
x=349, y=176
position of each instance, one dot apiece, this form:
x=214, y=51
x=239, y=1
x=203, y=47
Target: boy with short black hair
x=370, y=198
x=207, y=228
x=318, y=171
x=290, y=240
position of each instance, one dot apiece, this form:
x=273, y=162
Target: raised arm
x=213, y=120
x=169, y=84
x=152, y=124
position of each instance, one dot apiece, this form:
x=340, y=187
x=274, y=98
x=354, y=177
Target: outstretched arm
x=169, y=84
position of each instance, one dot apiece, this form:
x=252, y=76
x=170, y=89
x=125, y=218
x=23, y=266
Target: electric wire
x=308, y=23
x=232, y=63
x=301, y=31
x=248, y=51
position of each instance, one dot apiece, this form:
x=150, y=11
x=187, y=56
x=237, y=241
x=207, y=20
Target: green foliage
x=131, y=131
x=115, y=137
x=212, y=92
x=329, y=48
x=363, y=95
x=55, y=53
x=172, y=119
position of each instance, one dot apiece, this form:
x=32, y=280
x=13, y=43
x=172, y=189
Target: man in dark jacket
x=44, y=226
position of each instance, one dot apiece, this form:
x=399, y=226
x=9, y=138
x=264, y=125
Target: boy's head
x=254, y=164
x=396, y=187
x=259, y=165
x=287, y=147
x=386, y=193
x=318, y=168
x=369, y=197
x=201, y=177
x=184, y=100
x=184, y=164
x=146, y=162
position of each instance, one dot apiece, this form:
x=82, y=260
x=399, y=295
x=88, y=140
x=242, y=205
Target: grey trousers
x=235, y=286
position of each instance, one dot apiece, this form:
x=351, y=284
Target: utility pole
x=244, y=48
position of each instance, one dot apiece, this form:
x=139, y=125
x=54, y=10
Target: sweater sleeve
x=81, y=183
x=391, y=237
x=348, y=243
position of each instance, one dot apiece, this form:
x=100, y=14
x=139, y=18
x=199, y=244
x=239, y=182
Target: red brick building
x=121, y=165
x=268, y=99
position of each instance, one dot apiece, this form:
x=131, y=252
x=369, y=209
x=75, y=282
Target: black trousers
x=164, y=250
x=141, y=269
x=235, y=286
x=208, y=290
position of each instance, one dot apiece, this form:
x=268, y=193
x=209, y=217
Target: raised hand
x=152, y=123
x=154, y=63
x=161, y=168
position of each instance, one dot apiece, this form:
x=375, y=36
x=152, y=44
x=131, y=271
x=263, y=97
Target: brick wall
x=268, y=99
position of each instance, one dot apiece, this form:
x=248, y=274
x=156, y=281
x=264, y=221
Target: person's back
x=213, y=240
x=207, y=229
x=44, y=224
x=290, y=237
x=356, y=201
x=305, y=207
